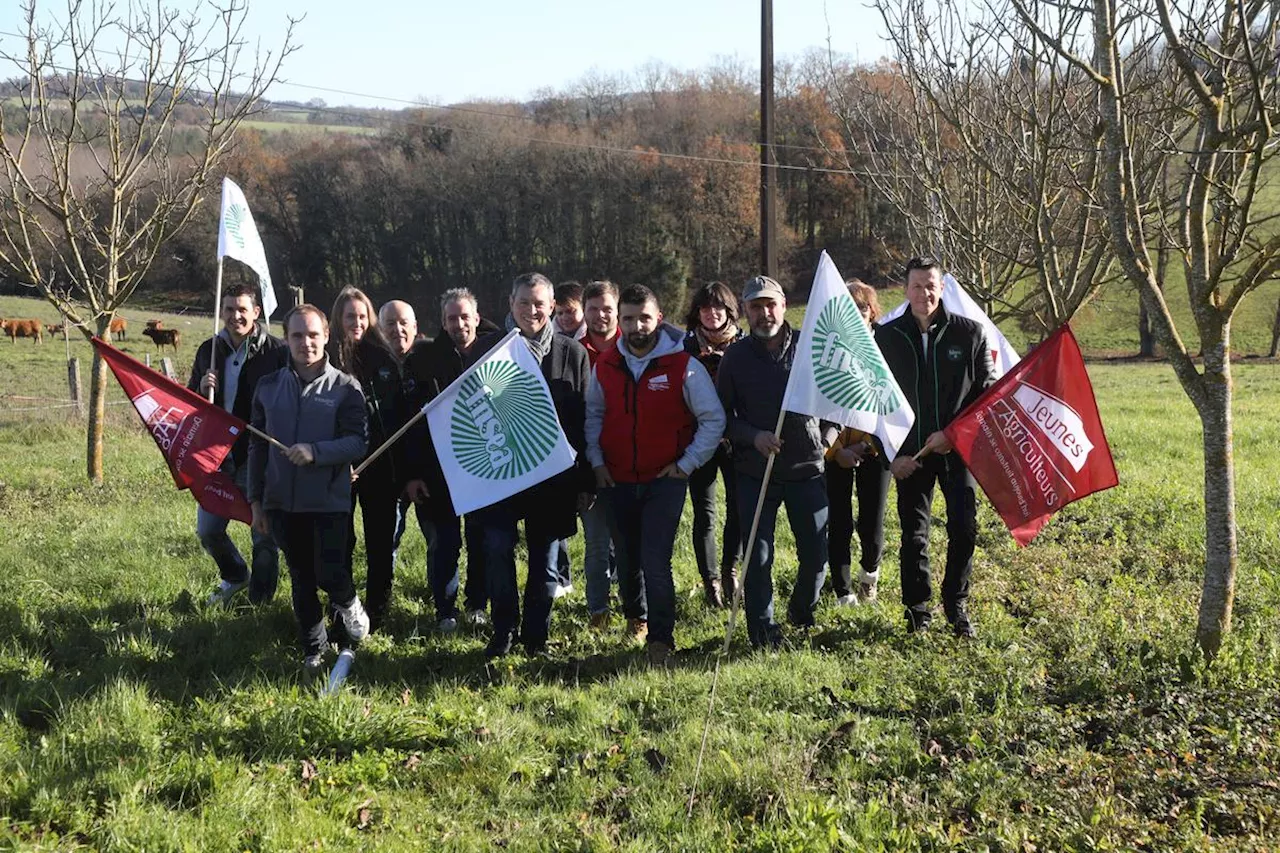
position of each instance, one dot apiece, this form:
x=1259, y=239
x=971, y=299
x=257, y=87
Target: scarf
x=540, y=345
x=716, y=340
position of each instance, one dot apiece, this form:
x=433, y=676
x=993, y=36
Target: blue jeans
x=564, y=568
x=444, y=534
x=212, y=532
x=597, y=558
x=644, y=519
x=315, y=547
x=806, y=502
x=501, y=535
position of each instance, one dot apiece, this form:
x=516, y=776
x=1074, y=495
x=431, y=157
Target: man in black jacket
x=752, y=381
x=428, y=368
x=229, y=366
x=549, y=509
x=943, y=363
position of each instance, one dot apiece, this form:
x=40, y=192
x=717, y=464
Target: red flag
x=1033, y=440
x=193, y=434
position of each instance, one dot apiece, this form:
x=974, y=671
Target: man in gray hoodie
x=302, y=495
x=752, y=381
x=653, y=418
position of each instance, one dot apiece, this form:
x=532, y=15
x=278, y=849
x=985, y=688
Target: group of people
x=655, y=413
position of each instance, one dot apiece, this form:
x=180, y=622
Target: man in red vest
x=653, y=417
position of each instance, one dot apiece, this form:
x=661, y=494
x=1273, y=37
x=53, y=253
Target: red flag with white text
x=193, y=434
x=1034, y=440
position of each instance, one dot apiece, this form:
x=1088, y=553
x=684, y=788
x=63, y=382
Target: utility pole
x=768, y=163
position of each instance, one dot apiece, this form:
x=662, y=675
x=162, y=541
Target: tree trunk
x=1146, y=339
x=1218, y=593
x=97, y=410
x=1275, y=333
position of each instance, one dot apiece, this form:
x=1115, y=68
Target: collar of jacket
x=940, y=320
x=783, y=352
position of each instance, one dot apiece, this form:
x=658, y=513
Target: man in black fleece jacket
x=942, y=362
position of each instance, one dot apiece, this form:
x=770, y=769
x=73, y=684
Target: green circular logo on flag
x=234, y=221
x=847, y=366
x=502, y=426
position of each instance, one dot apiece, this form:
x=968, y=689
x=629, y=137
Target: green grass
x=132, y=718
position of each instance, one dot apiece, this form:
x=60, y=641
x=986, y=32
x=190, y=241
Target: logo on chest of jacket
x=955, y=353
x=659, y=383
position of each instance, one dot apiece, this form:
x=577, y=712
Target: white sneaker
x=562, y=590
x=448, y=625
x=847, y=600
x=477, y=617
x=225, y=591
x=354, y=619
x=867, y=593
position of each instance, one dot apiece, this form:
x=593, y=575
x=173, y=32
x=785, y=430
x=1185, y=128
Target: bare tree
x=983, y=139
x=98, y=174
x=1218, y=137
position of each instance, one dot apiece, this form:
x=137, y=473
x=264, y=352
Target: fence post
x=146, y=359
x=73, y=380
x=166, y=367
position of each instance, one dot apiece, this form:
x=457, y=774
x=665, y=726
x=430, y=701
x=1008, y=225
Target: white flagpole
x=217, y=317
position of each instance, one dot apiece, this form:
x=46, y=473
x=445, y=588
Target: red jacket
x=594, y=354
x=647, y=424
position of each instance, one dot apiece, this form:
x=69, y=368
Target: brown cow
x=163, y=337
x=54, y=329
x=118, y=327
x=155, y=324
x=24, y=329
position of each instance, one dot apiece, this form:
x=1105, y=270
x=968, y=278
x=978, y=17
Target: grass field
x=132, y=718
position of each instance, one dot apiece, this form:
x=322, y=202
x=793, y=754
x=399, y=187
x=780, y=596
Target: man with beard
x=229, y=366
x=653, y=418
x=752, y=381
x=429, y=368
x=548, y=509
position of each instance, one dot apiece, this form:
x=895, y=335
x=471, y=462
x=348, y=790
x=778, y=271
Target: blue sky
x=458, y=50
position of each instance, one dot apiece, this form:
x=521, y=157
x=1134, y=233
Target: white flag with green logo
x=839, y=374
x=238, y=238
x=495, y=428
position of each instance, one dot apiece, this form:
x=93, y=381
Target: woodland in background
x=571, y=184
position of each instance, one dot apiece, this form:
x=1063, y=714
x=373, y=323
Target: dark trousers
x=702, y=494
x=501, y=535
x=643, y=520
x=915, y=499
x=806, y=502
x=315, y=548
x=444, y=534
x=872, y=482
x=380, y=510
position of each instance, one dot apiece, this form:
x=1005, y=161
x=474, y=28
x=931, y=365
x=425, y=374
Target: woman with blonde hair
x=853, y=461
x=357, y=347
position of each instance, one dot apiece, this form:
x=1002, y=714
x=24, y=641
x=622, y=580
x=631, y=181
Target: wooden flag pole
x=217, y=316
x=390, y=441
x=745, y=559
x=268, y=439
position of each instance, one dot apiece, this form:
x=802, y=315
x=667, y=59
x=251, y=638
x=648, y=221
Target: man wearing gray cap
x=751, y=381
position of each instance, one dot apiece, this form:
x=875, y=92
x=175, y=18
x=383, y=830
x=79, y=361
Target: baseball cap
x=760, y=286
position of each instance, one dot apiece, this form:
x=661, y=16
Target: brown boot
x=638, y=630
x=711, y=589
x=728, y=586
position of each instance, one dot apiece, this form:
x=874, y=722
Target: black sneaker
x=917, y=622
x=498, y=647
x=961, y=624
